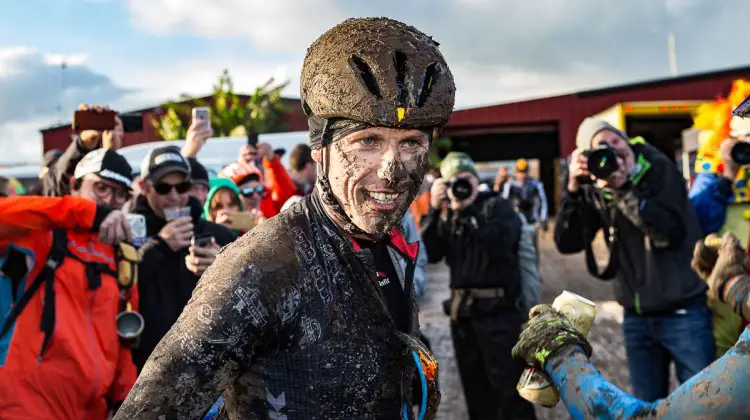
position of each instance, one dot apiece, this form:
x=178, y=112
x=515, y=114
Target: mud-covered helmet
x=377, y=71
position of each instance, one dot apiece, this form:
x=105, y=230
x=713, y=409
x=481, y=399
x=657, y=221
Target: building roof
x=154, y=108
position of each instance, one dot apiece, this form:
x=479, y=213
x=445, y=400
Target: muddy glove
x=547, y=333
x=732, y=262
x=705, y=256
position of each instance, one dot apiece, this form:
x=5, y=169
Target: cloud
x=279, y=25
x=499, y=50
x=34, y=89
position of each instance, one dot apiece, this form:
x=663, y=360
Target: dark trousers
x=652, y=342
x=489, y=375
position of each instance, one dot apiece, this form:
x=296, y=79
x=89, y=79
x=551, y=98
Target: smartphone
x=132, y=123
x=242, y=220
x=137, y=224
x=92, y=120
x=202, y=241
x=203, y=114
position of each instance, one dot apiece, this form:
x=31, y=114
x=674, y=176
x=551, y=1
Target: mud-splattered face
x=374, y=174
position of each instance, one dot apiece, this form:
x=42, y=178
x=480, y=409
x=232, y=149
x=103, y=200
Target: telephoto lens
x=741, y=153
x=460, y=188
x=602, y=161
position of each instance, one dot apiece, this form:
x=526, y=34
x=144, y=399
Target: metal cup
x=129, y=328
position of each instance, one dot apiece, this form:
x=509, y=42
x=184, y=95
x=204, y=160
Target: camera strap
x=609, y=215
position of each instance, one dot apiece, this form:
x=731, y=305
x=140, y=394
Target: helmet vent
x=364, y=73
x=399, y=62
x=431, y=75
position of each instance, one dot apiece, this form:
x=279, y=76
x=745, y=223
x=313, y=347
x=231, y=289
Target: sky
x=139, y=53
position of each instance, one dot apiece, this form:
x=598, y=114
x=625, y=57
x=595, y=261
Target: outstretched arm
x=719, y=391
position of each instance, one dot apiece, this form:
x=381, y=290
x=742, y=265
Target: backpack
x=126, y=258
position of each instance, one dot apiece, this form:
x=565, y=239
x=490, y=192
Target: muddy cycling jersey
x=287, y=323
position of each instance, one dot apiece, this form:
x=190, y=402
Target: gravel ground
x=559, y=273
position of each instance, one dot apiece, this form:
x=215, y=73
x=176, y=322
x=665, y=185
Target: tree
x=439, y=148
x=230, y=115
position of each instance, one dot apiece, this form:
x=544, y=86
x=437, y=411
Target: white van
x=220, y=151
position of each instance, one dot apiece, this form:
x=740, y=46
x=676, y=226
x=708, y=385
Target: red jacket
x=84, y=368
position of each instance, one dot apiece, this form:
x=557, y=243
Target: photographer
x=650, y=229
x=479, y=235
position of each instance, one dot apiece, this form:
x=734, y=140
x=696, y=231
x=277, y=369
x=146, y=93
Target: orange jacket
x=84, y=365
x=420, y=206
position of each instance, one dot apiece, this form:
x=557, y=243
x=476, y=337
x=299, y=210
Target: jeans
x=684, y=336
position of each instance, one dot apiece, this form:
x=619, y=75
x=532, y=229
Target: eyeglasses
x=164, y=188
x=104, y=191
x=427, y=372
x=248, y=192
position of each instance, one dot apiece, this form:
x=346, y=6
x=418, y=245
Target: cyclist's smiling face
x=375, y=174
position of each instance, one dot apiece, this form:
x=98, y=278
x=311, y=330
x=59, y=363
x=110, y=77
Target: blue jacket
x=411, y=234
x=710, y=195
x=719, y=391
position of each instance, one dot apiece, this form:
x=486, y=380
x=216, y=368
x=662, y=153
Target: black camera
x=460, y=188
x=741, y=153
x=602, y=161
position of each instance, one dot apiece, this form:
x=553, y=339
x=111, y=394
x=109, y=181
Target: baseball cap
x=162, y=161
x=198, y=172
x=107, y=164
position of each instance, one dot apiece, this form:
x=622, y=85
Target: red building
x=542, y=129
x=546, y=128
x=58, y=137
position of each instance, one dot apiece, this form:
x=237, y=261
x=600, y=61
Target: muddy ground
x=559, y=273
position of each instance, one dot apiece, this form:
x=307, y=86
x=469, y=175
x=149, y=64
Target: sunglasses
x=248, y=192
x=427, y=372
x=164, y=188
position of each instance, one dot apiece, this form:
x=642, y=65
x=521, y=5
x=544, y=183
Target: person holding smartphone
x=226, y=205
x=55, y=182
x=170, y=267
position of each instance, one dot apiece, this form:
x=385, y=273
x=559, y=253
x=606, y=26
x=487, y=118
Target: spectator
x=303, y=169
x=167, y=279
x=226, y=207
x=527, y=194
x=267, y=190
x=199, y=181
x=481, y=239
x=651, y=229
x=501, y=179
x=76, y=366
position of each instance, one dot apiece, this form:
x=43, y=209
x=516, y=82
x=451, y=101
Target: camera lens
x=741, y=153
x=602, y=162
x=461, y=189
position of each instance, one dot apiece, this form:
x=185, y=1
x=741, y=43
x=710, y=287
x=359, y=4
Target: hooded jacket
x=165, y=283
x=84, y=369
x=288, y=322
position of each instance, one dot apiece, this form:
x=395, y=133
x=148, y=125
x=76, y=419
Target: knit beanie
x=456, y=162
x=590, y=127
